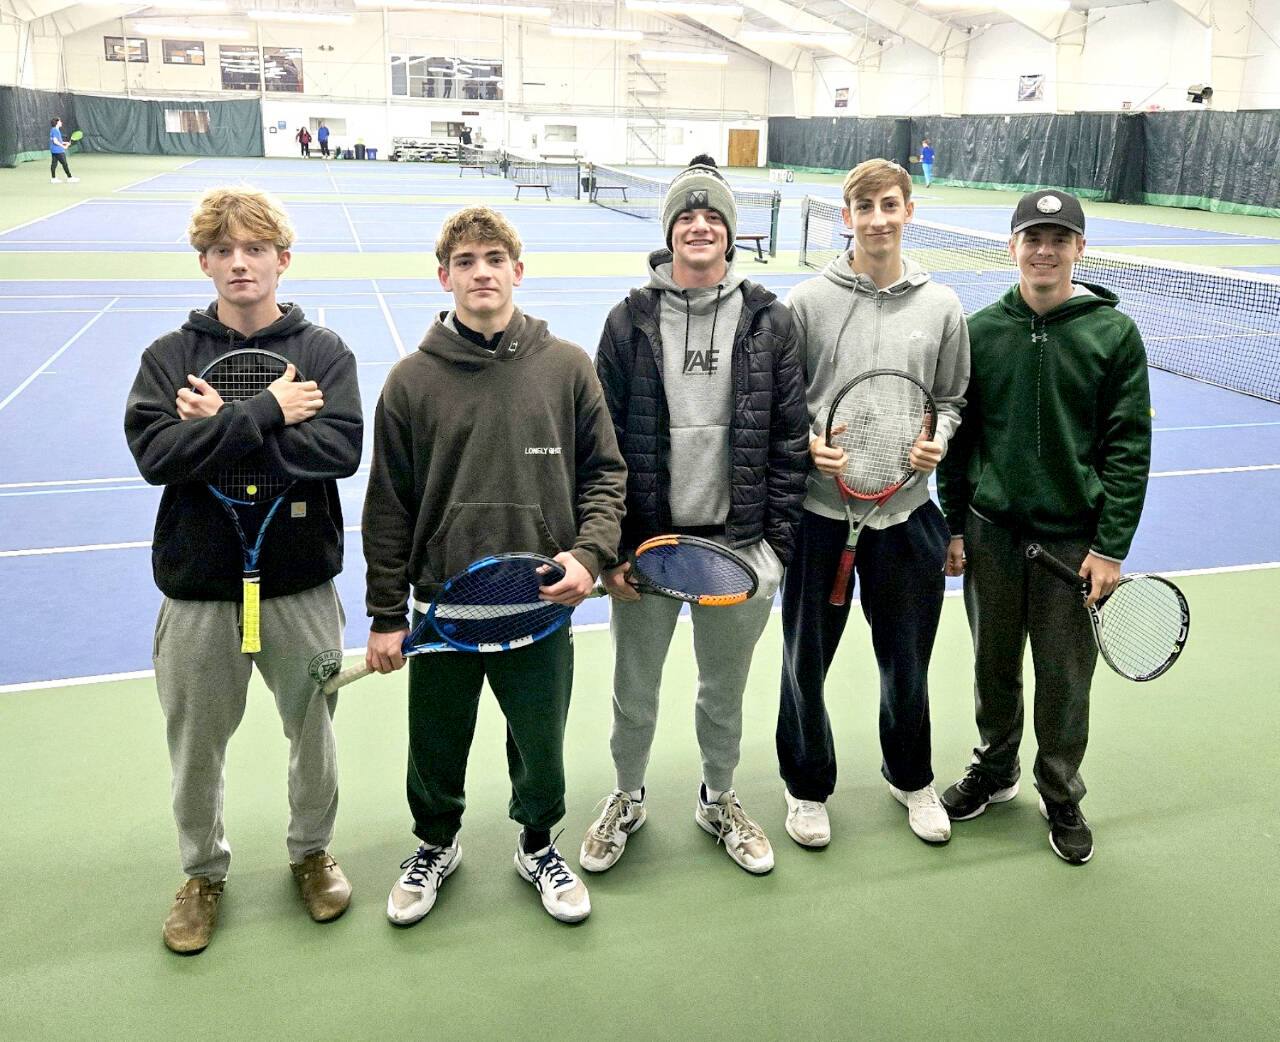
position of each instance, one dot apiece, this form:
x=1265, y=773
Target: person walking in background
x=303, y=137
x=1055, y=448
x=872, y=308
x=322, y=135
x=182, y=434
x=706, y=392
x=58, y=152
x=926, y=162
x=541, y=474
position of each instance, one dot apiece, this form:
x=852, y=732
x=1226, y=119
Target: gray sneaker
x=607, y=837
x=415, y=892
x=743, y=839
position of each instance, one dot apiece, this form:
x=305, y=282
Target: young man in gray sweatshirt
x=872, y=308
x=701, y=376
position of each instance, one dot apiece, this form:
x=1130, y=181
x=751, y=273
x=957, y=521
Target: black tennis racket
x=1140, y=628
x=249, y=492
x=688, y=568
x=490, y=606
x=876, y=418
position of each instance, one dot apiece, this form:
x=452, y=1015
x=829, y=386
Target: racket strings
x=236, y=378
x=495, y=604
x=692, y=570
x=882, y=417
x=1141, y=626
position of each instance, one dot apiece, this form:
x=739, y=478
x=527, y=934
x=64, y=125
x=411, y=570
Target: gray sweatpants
x=723, y=642
x=202, y=678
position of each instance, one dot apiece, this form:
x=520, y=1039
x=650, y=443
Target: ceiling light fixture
x=694, y=57
x=597, y=34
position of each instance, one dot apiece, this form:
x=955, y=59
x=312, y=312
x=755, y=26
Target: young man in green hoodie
x=1054, y=448
x=493, y=436
x=702, y=380
x=182, y=433
x=872, y=308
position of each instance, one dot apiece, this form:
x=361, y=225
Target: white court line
x=320, y=316
x=37, y=220
x=1212, y=470
x=386, y=314
x=1218, y=426
x=69, y=481
x=590, y=627
x=53, y=357
x=74, y=549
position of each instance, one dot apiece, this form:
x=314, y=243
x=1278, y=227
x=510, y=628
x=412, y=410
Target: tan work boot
x=322, y=886
x=189, y=927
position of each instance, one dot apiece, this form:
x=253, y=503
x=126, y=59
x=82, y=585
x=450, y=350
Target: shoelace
x=615, y=806
x=422, y=862
x=738, y=820
x=1065, y=814
x=551, y=864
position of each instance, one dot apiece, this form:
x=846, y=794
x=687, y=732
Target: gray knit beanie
x=700, y=188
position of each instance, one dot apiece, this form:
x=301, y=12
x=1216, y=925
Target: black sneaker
x=1069, y=834
x=969, y=797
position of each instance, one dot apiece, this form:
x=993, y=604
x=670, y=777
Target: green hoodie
x=1056, y=438
x=478, y=452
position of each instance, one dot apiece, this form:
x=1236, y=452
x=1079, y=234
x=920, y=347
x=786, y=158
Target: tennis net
x=642, y=196
x=1212, y=324
x=562, y=178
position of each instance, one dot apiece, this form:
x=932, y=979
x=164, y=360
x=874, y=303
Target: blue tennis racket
x=493, y=605
x=690, y=569
x=250, y=493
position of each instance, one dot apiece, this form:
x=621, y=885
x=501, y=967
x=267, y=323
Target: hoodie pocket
x=470, y=531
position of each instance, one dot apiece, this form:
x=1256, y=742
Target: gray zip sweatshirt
x=847, y=326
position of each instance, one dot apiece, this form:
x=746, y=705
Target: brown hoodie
x=478, y=452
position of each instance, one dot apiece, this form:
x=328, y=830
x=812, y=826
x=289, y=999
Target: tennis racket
x=250, y=494
x=690, y=569
x=490, y=606
x=875, y=418
x=76, y=135
x=1140, y=627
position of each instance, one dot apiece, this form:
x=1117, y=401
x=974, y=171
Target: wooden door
x=744, y=148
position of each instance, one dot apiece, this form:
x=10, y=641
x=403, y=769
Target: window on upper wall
x=125, y=49
x=560, y=134
x=422, y=76
x=239, y=66
x=186, y=121
x=282, y=68
x=183, y=52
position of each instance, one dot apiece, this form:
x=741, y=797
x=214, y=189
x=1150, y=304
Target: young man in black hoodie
x=181, y=433
x=492, y=436
x=704, y=383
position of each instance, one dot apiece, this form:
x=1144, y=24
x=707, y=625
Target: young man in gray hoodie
x=872, y=308
x=703, y=382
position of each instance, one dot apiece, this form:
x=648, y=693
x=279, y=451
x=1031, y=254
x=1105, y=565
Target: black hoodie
x=195, y=554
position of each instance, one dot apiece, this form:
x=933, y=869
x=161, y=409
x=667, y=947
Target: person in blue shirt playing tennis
x=58, y=152
x=926, y=161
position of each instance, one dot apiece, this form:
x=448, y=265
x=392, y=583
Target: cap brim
x=1046, y=219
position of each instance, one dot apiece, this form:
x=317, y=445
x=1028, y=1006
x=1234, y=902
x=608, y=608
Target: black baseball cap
x=1048, y=206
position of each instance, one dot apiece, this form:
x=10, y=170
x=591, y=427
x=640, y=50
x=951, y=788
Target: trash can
x=371, y=153
x=359, y=150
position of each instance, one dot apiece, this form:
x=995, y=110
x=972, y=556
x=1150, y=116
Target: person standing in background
x=926, y=161
x=58, y=152
x=322, y=135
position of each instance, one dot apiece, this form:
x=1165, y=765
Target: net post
x=804, y=231
x=775, y=210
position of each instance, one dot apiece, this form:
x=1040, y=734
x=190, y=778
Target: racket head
x=493, y=604
x=695, y=570
x=1142, y=626
x=237, y=376
x=76, y=135
x=883, y=412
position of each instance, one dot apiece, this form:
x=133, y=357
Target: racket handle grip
x=344, y=678
x=1036, y=552
x=840, y=588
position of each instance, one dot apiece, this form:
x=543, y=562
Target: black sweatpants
x=900, y=585
x=532, y=686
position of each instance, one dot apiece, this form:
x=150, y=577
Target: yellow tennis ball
x=252, y=490
x=1153, y=412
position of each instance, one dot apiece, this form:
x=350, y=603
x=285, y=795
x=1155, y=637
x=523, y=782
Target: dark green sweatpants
x=532, y=686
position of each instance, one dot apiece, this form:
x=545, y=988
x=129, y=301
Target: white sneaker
x=743, y=839
x=563, y=894
x=72, y=180
x=925, y=813
x=607, y=837
x=53, y=180
x=415, y=892
x=807, y=821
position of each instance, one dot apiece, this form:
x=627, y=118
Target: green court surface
x=1169, y=933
